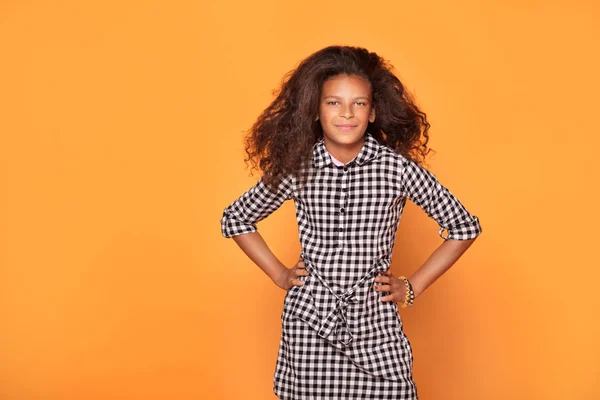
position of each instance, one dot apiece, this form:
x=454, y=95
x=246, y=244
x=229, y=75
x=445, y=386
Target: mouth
x=346, y=127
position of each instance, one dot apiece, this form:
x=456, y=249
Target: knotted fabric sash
x=334, y=327
x=388, y=358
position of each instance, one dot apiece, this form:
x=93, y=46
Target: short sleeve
x=422, y=188
x=256, y=204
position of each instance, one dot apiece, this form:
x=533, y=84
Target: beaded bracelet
x=410, y=294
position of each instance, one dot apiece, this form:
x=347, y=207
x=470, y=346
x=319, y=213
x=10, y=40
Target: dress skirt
x=310, y=368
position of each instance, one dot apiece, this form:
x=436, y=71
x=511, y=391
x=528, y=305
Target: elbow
x=469, y=230
x=231, y=226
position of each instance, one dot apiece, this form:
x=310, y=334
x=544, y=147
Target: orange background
x=121, y=128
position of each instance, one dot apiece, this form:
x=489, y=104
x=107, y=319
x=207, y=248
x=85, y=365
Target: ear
x=317, y=118
x=372, y=115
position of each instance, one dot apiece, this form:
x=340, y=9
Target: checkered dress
x=339, y=341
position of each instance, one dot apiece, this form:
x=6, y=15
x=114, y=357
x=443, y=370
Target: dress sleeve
x=256, y=204
x=422, y=188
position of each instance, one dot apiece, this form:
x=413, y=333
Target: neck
x=344, y=152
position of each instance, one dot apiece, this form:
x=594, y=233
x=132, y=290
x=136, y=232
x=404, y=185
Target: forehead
x=346, y=85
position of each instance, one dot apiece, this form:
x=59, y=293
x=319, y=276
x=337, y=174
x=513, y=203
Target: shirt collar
x=321, y=157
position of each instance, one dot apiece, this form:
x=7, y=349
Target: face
x=345, y=110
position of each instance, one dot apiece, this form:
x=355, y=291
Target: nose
x=346, y=111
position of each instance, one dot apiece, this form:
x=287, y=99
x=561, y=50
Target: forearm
x=439, y=262
x=257, y=250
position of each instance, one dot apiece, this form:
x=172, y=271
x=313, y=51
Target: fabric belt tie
x=337, y=321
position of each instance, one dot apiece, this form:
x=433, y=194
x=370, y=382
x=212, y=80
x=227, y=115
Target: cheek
x=325, y=115
x=364, y=115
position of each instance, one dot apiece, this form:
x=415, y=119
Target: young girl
x=344, y=140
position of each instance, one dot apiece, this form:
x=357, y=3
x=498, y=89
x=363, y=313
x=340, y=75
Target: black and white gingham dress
x=339, y=341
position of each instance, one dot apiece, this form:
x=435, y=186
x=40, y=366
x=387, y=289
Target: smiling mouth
x=346, y=127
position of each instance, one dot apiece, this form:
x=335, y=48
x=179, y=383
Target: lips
x=346, y=127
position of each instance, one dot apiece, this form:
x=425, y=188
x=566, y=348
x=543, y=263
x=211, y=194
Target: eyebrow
x=356, y=98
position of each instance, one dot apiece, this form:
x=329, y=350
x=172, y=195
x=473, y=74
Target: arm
x=439, y=262
x=257, y=250
x=435, y=266
x=422, y=188
x=256, y=204
x=239, y=222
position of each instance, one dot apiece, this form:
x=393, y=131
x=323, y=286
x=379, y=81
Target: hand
x=390, y=283
x=289, y=277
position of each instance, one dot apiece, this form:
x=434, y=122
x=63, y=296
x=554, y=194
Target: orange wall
x=121, y=143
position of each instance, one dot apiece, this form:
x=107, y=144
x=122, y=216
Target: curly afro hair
x=281, y=140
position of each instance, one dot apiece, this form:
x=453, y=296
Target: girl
x=345, y=141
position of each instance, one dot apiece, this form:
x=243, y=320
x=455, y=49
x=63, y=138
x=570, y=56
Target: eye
x=361, y=103
x=333, y=102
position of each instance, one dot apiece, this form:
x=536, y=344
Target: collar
x=369, y=150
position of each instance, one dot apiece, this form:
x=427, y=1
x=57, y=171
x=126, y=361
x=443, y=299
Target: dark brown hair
x=281, y=140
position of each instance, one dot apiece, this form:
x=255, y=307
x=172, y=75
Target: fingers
x=386, y=282
x=301, y=272
x=297, y=282
x=383, y=288
x=384, y=279
x=297, y=272
x=300, y=264
x=393, y=294
x=300, y=269
x=388, y=298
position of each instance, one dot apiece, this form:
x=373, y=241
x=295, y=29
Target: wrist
x=279, y=276
x=417, y=288
x=409, y=294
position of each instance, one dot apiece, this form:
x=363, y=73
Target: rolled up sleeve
x=422, y=188
x=256, y=204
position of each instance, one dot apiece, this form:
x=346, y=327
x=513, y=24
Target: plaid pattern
x=339, y=341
